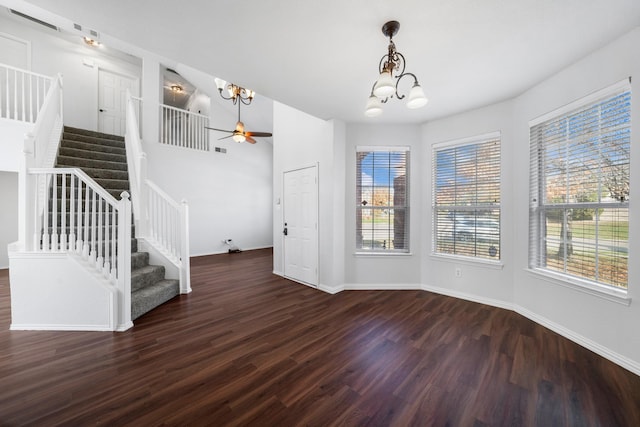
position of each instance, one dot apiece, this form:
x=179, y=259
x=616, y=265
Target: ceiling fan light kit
x=385, y=87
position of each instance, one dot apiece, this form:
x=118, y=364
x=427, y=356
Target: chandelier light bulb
x=417, y=98
x=384, y=87
x=374, y=107
x=220, y=84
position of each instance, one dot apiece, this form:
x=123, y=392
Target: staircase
x=103, y=158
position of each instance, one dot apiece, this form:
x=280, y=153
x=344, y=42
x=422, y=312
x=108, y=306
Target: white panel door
x=300, y=227
x=112, y=89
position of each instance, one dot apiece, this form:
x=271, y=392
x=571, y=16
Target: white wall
x=479, y=281
x=8, y=214
x=52, y=54
x=602, y=325
x=229, y=194
x=609, y=326
x=388, y=271
x=301, y=140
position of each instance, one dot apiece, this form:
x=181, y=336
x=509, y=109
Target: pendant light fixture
x=387, y=84
x=234, y=92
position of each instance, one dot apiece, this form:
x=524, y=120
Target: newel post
x=124, y=263
x=185, y=268
x=27, y=212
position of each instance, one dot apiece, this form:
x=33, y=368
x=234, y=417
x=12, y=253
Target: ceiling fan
x=239, y=134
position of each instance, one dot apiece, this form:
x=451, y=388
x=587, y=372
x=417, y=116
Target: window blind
x=382, y=199
x=579, y=190
x=466, y=198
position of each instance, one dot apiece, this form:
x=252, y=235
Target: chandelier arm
x=415, y=81
x=227, y=98
x=399, y=59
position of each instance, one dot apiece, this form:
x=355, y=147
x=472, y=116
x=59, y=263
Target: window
x=382, y=199
x=466, y=197
x=579, y=197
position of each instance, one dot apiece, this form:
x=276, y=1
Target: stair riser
x=139, y=260
x=141, y=280
x=98, y=173
x=90, y=146
x=92, y=154
x=75, y=162
x=145, y=300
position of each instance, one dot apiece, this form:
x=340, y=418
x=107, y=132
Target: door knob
x=101, y=110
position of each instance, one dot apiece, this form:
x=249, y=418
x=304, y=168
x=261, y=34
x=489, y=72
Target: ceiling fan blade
x=259, y=133
x=249, y=139
x=219, y=130
x=225, y=137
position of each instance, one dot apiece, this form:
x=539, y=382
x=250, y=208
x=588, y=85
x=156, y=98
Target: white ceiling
x=322, y=56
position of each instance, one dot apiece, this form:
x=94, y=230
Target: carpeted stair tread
x=93, y=146
x=93, y=140
x=69, y=152
x=92, y=133
x=146, y=276
x=146, y=299
x=96, y=173
x=90, y=163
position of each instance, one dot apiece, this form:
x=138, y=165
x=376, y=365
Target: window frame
x=475, y=140
x=539, y=208
x=359, y=239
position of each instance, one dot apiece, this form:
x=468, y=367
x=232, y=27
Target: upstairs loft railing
x=22, y=93
x=182, y=128
x=160, y=220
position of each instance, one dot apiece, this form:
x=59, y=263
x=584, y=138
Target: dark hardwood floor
x=250, y=348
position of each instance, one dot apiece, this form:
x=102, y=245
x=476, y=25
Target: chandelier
x=234, y=92
x=385, y=87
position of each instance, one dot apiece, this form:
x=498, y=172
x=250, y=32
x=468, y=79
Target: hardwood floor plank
x=248, y=348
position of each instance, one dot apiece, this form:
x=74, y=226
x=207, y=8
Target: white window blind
x=579, y=210
x=466, y=198
x=382, y=199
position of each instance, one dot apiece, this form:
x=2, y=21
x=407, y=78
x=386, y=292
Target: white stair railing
x=40, y=148
x=22, y=93
x=74, y=214
x=160, y=220
x=182, y=128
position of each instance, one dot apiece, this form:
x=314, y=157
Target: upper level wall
x=77, y=62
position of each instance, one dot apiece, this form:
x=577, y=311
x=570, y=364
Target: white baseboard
x=585, y=342
x=381, y=286
x=468, y=297
x=330, y=289
x=46, y=327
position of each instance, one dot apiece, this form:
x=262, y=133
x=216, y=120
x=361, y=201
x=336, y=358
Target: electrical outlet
x=458, y=272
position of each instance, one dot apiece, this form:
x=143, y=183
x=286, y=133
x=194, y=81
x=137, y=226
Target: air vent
x=77, y=27
x=36, y=20
x=220, y=150
x=94, y=33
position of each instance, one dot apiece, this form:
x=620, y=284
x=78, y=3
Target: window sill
x=458, y=259
x=381, y=254
x=600, y=291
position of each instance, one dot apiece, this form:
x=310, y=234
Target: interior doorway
x=300, y=225
x=112, y=89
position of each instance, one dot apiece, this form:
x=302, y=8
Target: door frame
x=316, y=167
